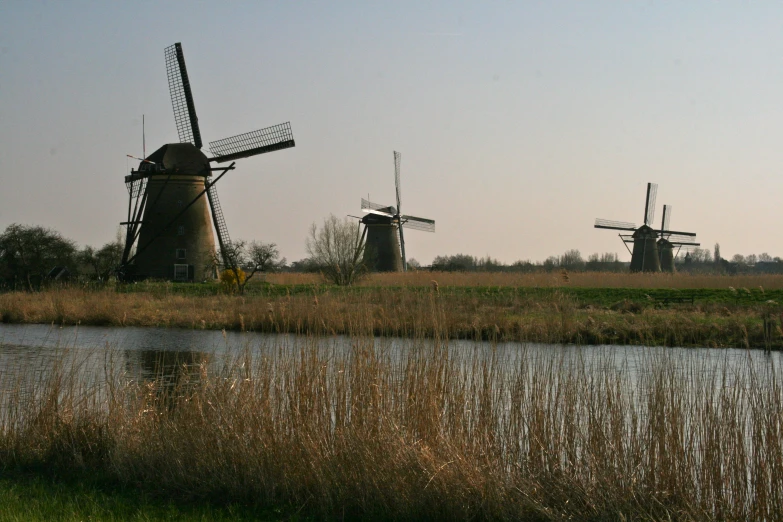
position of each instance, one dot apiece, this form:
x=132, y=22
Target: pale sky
x=519, y=123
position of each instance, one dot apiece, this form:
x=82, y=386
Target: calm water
x=30, y=352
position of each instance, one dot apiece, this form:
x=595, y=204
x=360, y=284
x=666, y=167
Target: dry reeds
x=436, y=310
x=556, y=279
x=547, y=279
x=424, y=430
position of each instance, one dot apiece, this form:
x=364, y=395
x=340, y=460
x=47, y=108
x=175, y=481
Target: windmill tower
x=382, y=225
x=671, y=242
x=169, y=229
x=644, y=257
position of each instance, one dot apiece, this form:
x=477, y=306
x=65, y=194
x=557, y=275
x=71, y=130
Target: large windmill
x=169, y=231
x=382, y=223
x=671, y=240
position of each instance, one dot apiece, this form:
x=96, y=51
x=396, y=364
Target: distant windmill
x=644, y=257
x=383, y=251
x=671, y=240
x=169, y=231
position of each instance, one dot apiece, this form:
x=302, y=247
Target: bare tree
x=572, y=259
x=739, y=259
x=701, y=255
x=250, y=259
x=337, y=248
x=104, y=261
x=264, y=257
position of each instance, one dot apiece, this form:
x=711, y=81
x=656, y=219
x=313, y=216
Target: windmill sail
x=369, y=205
x=181, y=96
x=614, y=225
x=667, y=216
x=649, y=208
x=417, y=223
x=224, y=240
x=377, y=212
x=397, y=159
x=276, y=137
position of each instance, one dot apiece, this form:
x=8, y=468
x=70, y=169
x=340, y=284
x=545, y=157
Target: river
x=32, y=351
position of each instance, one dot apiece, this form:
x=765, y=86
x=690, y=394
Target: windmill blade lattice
x=269, y=139
x=615, y=225
x=369, y=205
x=224, y=240
x=649, y=209
x=181, y=96
x=667, y=217
x=682, y=236
x=417, y=223
x=378, y=212
x=397, y=161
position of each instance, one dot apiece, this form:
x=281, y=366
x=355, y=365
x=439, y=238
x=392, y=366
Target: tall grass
x=422, y=431
x=513, y=314
x=550, y=279
x=576, y=279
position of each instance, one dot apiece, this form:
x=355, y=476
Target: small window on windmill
x=180, y=253
x=181, y=230
x=179, y=203
x=180, y=272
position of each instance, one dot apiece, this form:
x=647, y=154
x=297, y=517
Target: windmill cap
x=185, y=158
x=377, y=219
x=644, y=231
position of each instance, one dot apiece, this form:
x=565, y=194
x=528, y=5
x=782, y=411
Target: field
x=554, y=279
x=579, y=308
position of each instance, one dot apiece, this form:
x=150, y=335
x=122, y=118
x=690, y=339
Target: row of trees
x=705, y=260
x=704, y=255
x=31, y=255
x=570, y=260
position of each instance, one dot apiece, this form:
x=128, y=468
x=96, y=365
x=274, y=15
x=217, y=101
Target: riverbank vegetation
x=579, y=308
x=422, y=430
x=43, y=497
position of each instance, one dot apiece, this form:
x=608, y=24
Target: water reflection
x=168, y=367
x=170, y=373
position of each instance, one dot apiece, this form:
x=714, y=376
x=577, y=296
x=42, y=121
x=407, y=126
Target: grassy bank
x=690, y=311
x=426, y=433
x=43, y=497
